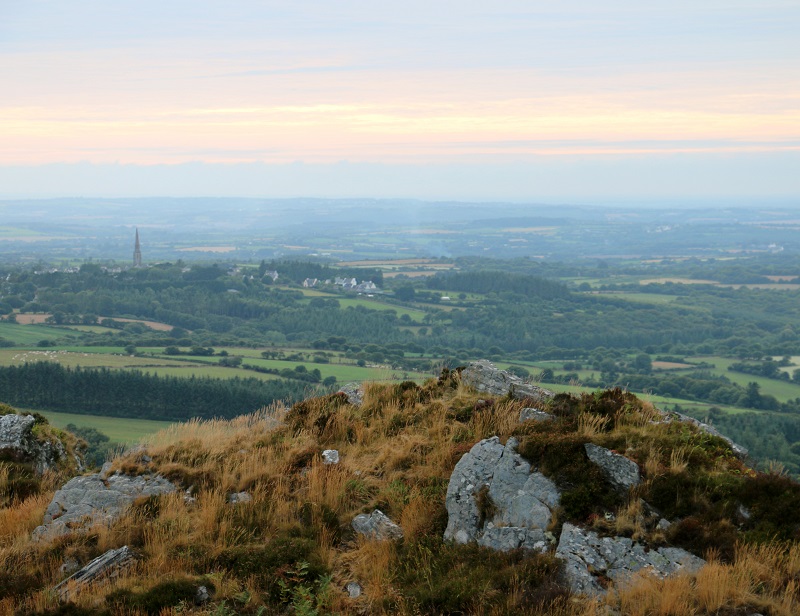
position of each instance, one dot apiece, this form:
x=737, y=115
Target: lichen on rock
x=493, y=498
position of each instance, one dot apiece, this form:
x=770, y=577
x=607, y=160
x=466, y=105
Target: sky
x=519, y=100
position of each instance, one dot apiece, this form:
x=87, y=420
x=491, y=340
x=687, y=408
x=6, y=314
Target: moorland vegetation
x=291, y=546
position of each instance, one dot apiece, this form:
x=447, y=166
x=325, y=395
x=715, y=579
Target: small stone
x=376, y=525
x=202, y=596
x=239, y=498
x=330, y=456
x=70, y=565
x=531, y=414
x=743, y=512
x=353, y=590
x=663, y=524
x=105, y=469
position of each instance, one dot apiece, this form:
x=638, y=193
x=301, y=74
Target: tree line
x=126, y=393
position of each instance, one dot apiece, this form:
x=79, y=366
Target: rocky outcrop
x=84, y=501
x=376, y=525
x=483, y=376
x=106, y=565
x=354, y=393
x=493, y=498
x=593, y=561
x=621, y=472
x=739, y=451
x=19, y=444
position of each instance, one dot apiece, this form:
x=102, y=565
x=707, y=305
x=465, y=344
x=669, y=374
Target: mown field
x=120, y=430
x=153, y=360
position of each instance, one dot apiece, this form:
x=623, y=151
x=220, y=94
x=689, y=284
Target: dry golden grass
x=590, y=425
x=646, y=595
x=397, y=452
x=678, y=460
x=763, y=578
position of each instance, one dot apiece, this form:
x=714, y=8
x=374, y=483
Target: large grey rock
x=19, y=443
x=376, y=525
x=621, y=472
x=590, y=559
x=483, y=376
x=84, y=501
x=354, y=393
x=521, y=501
x=106, y=565
x=507, y=538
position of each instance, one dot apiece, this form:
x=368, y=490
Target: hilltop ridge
x=341, y=504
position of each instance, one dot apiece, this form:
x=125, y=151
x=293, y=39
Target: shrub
x=164, y=594
x=773, y=502
x=272, y=564
x=448, y=578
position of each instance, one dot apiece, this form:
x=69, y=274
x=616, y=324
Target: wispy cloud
x=433, y=83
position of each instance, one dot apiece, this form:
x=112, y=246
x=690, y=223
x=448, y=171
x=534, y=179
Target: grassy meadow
x=120, y=430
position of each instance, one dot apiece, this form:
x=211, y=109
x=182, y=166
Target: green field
x=31, y=334
x=188, y=370
x=782, y=390
x=644, y=298
x=153, y=361
x=13, y=232
x=70, y=359
x=118, y=429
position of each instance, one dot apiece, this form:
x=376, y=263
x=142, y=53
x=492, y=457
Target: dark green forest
x=118, y=393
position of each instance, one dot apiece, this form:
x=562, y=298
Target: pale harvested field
x=410, y=274
x=669, y=365
x=40, y=318
x=32, y=319
x=216, y=249
x=676, y=281
x=782, y=278
x=33, y=238
x=537, y=230
x=384, y=263
x=777, y=286
x=161, y=327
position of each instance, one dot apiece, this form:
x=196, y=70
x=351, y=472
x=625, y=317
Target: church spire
x=137, y=252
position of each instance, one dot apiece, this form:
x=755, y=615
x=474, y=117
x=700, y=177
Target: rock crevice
x=493, y=498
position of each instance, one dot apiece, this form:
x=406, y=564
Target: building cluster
x=347, y=284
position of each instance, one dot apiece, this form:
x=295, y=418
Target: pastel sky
x=449, y=99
